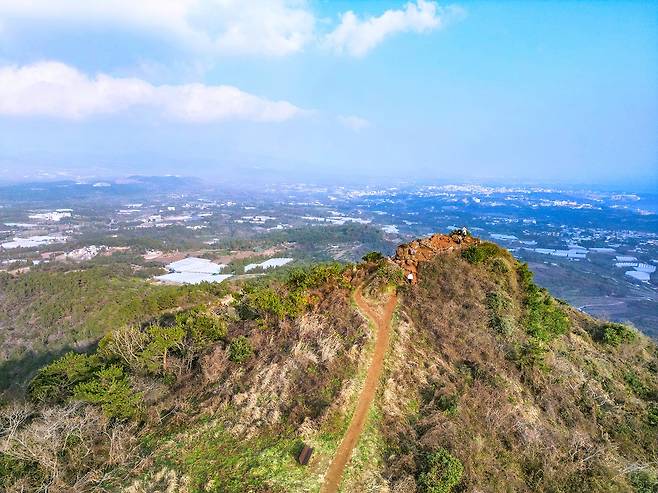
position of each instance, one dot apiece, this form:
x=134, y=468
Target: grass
x=213, y=459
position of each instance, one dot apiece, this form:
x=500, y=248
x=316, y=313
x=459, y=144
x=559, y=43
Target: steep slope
x=488, y=384
x=525, y=392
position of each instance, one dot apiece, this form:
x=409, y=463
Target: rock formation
x=409, y=255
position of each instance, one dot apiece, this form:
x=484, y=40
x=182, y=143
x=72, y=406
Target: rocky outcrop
x=409, y=255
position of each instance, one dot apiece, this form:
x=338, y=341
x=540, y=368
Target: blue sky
x=559, y=92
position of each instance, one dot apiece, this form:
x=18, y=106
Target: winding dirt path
x=351, y=438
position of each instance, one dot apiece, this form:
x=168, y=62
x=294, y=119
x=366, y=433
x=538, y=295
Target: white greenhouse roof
x=195, y=265
x=640, y=276
x=273, y=262
x=191, y=277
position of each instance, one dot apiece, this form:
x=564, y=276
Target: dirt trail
x=351, y=438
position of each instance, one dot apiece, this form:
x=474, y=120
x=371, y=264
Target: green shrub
x=240, y=350
x=443, y=472
x=652, y=415
x=372, y=257
x=111, y=390
x=615, y=334
x=389, y=273
x=544, y=318
x=316, y=275
x=146, y=350
x=530, y=355
x=498, y=302
x=448, y=404
x=503, y=325
x=644, y=481
x=264, y=302
x=476, y=254
x=56, y=381
x=499, y=265
x=525, y=274
x=201, y=328
x=636, y=385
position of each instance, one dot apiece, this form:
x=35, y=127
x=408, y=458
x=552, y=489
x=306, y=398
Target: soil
x=383, y=330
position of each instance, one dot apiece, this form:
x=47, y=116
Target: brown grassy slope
x=576, y=421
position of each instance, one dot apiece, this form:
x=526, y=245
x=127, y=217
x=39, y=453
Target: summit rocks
x=409, y=255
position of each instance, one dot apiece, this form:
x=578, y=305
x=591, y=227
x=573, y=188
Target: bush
x=56, y=381
x=240, y=350
x=501, y=324
x=652, y=415
x=372, y=257
x=442, y=472
x=111, y=390
x=498, y=302
x=499, y=265
x=448, y=404
x=530, y=355
x=525, y=274
x=644, y=481
x=615, y=334
x=390, y=274
x=636, y=385
x=200, y=328
x=315, y=276
x=265, y=303
x=476, y=254
x=544, y=319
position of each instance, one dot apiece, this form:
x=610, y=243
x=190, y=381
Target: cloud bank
x=53, y=89
x=232, y=27
x=268, y=27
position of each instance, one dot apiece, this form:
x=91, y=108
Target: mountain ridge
x=488, y=384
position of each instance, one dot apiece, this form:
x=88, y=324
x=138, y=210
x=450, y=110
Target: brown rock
x=409, y=255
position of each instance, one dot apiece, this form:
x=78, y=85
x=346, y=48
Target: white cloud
x=229, y=27
x=353, y=122
x=270, y=27
x=357, y=37
x=57, y=90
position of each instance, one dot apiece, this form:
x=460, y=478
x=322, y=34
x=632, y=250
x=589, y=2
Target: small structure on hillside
x=305, y=455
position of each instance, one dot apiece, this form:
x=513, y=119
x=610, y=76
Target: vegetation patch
x=442, y=472
x=240, y=350
x=481, y=252
x=544, y=318
x=615, y=334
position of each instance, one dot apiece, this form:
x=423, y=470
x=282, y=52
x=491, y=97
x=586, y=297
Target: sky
x=378, y=91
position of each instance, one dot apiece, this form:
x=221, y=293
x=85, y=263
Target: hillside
x=45, y=313
x=485, y=383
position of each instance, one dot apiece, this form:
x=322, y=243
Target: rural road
x=383, y=332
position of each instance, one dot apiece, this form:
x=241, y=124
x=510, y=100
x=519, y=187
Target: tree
x=372, y=257
x=111, y=390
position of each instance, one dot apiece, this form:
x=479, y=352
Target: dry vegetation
x=522, y=411
x=489, y=385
